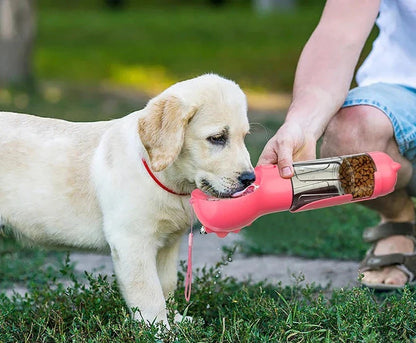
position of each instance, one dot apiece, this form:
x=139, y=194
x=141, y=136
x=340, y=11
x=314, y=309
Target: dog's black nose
x=247, y=178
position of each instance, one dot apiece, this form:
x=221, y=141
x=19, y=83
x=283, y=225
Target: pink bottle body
x=316, y=184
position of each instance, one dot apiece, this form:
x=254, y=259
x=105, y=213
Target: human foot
x=391, y=262
x=389, y=275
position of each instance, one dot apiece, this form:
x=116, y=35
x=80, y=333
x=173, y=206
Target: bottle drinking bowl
x=315, y=184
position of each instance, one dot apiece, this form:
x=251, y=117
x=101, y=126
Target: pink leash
x=188, y=278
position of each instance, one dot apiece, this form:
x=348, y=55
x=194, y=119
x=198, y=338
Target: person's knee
x=356, y=129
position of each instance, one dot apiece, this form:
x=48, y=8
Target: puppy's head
x=198, y=127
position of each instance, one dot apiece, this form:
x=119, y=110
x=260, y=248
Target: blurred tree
x=274, y=5
x=217, y=2
x=17, y=32
x=115, y=4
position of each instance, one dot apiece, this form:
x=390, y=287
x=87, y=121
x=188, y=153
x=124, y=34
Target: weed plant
x=72, y=308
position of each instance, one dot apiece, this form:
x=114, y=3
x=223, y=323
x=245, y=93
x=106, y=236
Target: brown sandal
x=405, y=262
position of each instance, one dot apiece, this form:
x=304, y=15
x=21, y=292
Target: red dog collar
x=160, y=184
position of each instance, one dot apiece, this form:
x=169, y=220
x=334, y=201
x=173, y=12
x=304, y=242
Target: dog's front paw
x=158, y=321
x=180, y=318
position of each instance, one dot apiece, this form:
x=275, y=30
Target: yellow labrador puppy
x=123, y=185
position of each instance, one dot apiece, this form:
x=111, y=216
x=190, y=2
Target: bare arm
x=323, y=76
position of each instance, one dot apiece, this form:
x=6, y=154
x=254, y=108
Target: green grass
x=75, y=103
x=326, y=233
x=223, y=310
x=18, y=263
x=149, y=48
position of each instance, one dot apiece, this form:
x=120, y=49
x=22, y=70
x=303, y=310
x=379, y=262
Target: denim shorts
x=399, y=104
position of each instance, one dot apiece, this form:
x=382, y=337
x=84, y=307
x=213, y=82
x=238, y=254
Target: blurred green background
x=149, y=47
x=97, y=60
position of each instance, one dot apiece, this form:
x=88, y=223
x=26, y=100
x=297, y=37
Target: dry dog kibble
x=357, y=176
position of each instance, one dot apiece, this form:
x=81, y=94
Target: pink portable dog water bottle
x=315, y=184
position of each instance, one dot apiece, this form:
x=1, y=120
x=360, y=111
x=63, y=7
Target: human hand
x=290, y=143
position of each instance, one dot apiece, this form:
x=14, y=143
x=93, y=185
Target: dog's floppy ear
x=162, y=129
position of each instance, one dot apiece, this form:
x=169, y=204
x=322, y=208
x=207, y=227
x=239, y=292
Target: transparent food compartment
x=331, y=177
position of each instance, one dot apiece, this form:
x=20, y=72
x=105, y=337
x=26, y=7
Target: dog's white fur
x=84, y=185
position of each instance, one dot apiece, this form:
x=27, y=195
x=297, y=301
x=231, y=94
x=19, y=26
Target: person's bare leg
x=360, y=129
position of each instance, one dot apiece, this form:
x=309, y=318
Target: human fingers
x=280, y=149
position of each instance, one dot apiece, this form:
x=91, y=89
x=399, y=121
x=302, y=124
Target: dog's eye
x=218, y=139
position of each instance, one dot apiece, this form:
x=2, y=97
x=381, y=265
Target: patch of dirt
x=287, y=270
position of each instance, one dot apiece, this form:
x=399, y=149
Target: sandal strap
x=372, y=262
x=373, y=234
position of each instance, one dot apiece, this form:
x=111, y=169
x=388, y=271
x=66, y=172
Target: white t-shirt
x=393, y=57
